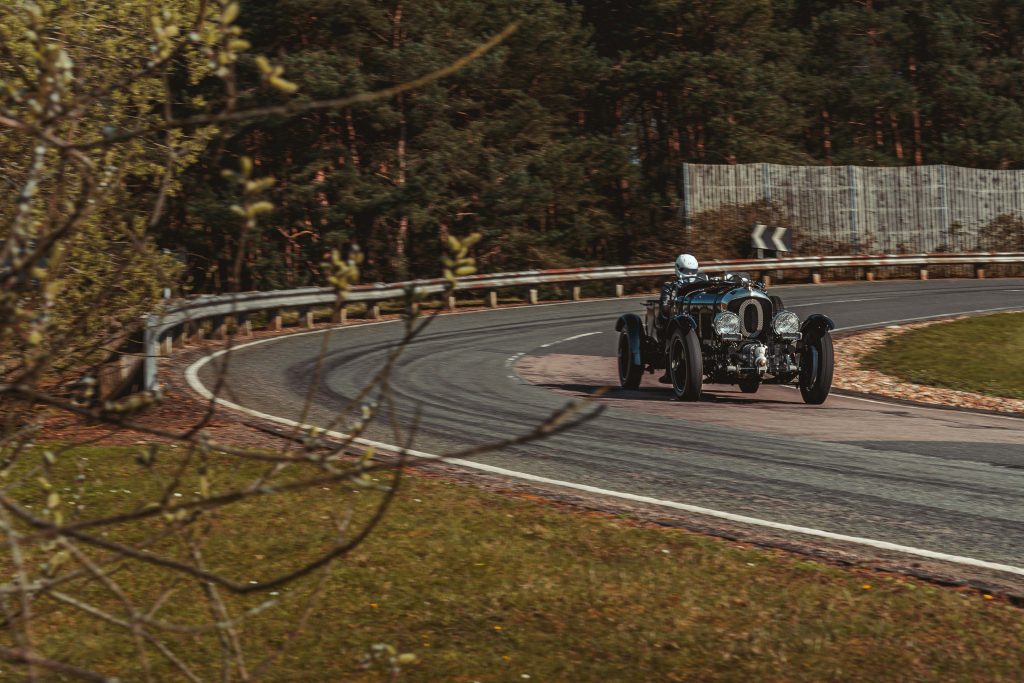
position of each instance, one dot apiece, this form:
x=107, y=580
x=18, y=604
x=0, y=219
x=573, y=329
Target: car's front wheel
x=685, y=365
x=629, y=372
x=816, y=367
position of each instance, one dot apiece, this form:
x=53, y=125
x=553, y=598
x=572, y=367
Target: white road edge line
x=841, y=301
x=877, y=298
x=192, y=377
x=929, y=317
x=577, y=336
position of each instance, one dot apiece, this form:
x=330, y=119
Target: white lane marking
x=882, y=298
x=192, y=376
x=578, y=336
x=843, y=301
x=928, y=317
x=511, y=360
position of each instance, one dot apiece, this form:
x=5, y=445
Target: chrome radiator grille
x=755, y=315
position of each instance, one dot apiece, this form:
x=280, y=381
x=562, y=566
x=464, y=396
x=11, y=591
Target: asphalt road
x=941, y=480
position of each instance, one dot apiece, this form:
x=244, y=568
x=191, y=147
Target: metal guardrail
x=160, y=327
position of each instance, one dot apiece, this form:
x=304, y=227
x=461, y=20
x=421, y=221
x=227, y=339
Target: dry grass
x=482, y=587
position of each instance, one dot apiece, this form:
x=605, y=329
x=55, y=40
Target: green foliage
x=90, y=96
x=106, y=272
x=564, y=146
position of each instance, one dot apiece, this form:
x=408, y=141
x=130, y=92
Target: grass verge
x=984, y=355
x=482, y=587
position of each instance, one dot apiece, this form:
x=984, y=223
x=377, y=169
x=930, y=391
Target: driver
x=686, y=272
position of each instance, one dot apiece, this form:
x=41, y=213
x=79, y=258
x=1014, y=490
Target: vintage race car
x=726, y=330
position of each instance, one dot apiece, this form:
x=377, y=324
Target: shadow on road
x=721, y=395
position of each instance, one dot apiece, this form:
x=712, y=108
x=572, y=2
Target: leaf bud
x=230, y=14
x=284, y=85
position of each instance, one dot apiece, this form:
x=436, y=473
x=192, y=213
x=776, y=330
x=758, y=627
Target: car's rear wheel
x=816, y=367
x=629, y=372
x=685, y=365
x=750, y=385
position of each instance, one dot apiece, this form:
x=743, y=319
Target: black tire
x=629, y=372
x=817, y=364
x=750, y=385
x=685, y=365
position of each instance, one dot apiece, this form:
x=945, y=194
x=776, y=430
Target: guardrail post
x=149, y=354
x=306, y=317
x=869, y=275
x=620, y=291
x=452, y=303
x=924, y=273
x=373, y=311
x=275, y=321
x=492, y=298
x=979, y=271
x=767, y=280
x=576, y=292
x=533, y=296
x=220, y=328
x=339, y=315
x=245, y=325
x=183, y=333
x=816, y=278
x=167, y=345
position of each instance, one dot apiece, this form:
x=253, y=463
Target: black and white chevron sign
x=769, y=237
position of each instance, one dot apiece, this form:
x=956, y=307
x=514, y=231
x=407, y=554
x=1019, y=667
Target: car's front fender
x=815, y=327
x=634, y=328
x=683, y=322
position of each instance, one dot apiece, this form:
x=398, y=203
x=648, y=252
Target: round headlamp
x=727, y=324
x=786, y=323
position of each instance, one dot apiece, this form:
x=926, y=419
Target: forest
x=564, y=145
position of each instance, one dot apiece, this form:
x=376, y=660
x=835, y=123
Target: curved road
x=941, y=480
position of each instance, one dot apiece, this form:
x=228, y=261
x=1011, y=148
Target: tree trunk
x=879, y=132
x=827, y=137
x=400, y=262
x=896, y=143
x=915, y=116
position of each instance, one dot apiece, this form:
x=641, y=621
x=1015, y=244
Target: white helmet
x=686, y=267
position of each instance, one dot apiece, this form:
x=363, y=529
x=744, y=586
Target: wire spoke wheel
x=816, y=368
x=630, y=372
x=685, y=365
